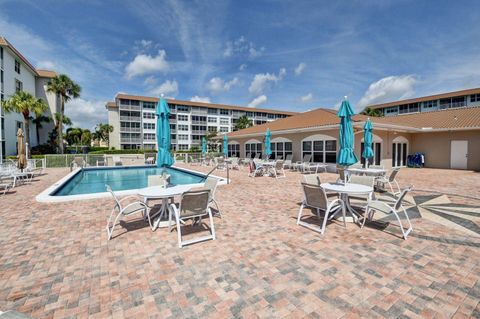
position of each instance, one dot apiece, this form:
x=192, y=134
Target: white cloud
x=307, y=98
x=260, y=80
x=46, y=64
x=257, y=101
x=390, y=88
x=300, y=68
x=150, y=81
x=217, y=84
x=241, y=46
x=144, y=64
x=203, y=99
x=86, y=113
x=169, y=88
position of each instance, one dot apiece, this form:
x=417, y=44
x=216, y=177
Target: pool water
x=93, y=180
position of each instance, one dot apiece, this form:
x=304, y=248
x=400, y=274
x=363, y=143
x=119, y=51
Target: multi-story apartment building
x=133, y=120
x=16, y=74
x=464, y=98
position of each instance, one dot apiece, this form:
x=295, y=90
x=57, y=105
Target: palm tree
x=102, y=132
x=38, y=120
x=66, y=90
x=371, y=112
x=243, y=122
x=24, y=103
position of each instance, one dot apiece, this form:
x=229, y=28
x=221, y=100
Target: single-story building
x=448, y=138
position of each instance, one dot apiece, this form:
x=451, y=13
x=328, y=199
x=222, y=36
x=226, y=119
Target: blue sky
x=290, y=55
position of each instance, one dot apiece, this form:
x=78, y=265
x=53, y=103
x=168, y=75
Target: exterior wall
x=436, y=147
x=114, y=120
x=53, y=104
x=27, y=77
x=386, y=139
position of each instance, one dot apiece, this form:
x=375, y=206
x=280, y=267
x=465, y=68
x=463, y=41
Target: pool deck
x=56, y=262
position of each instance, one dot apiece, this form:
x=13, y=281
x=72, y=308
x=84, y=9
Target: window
x=135, y=102
x=212, y=111
x=173, y=126
x=182, y=127
x=197, y=118
x=224, y=129
x=253, y=149
x=280, y=150
x=402, y=109
x=149, y=105
x=429, y=104
x=182, y=108
x=271, y=116
x=182, y=117
x=399, y=151
x=322, y=151
x=391, y=110
x=445, y=103
x=199, y=128
x=182, y=137
x=459, y=101
x=212, y=119
x=17, y=66
x=196, y=137
x=224, y=112
x=148, y=115
x=212, y=128
x=224, y=121
x=149, y=136
x=149, y=126
x=377, y=153
x=233, y=150
x=259, y=122
x=475, y=98
x=172, y=116
x=18, y=85
x=182, y=147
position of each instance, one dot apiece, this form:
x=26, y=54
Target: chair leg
x=343, y=213
x=110, y=230
x=218, y=208
x=212, y=226
x=179, y=231
x=300, y=214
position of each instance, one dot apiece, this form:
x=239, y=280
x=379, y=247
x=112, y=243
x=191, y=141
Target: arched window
x=399, y=151
x=281, y=147
x=377, y=151
x=253, y=147
x=322, y=148
x=233, y=149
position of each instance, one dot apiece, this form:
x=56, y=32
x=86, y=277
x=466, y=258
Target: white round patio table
x=159, y=192
x=344, y=190
x=367, y=171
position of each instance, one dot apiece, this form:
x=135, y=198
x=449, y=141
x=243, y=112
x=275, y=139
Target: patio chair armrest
x=136, y=197
x=389, y=208
x=134, y=203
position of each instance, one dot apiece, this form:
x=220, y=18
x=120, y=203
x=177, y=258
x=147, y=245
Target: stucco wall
x=437, y=147
x=114, y=120
x=53, y=107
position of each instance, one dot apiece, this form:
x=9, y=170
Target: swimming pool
x=90, y=182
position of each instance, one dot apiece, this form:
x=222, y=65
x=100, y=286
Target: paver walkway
x=55, y=261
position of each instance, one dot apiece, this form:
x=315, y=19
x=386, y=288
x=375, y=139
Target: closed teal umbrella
x=225, y=145
x=367, y=141
x=204, y=146
x=268, y=144
x=164, y=158
x=346, y=155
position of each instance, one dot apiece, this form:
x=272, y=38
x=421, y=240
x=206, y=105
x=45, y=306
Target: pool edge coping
x=46, y=197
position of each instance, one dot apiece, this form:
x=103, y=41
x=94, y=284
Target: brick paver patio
x=55, y=260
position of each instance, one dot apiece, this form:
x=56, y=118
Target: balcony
x=130, y=118
x=197, y=132
x=200, y=122
x=130, y=129
x=131, y=140
x=130, y=107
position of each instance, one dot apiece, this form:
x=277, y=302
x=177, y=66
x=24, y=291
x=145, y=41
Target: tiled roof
x=46, y=73
x=460, y=118
x=427, y=98
x=211, y=105
x=4, y=42
x=111, y=104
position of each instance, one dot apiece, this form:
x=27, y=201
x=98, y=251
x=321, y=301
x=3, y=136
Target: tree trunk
x=60, y=126
x=37, y=129
x=27, y=133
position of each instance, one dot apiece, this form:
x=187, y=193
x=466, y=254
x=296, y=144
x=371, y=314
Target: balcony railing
x=130, y=107
x=200, y=122
x=130, y=129
x=196, y=132
x=130, y=118
x=130, y=140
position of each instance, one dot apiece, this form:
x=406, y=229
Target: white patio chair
x=315, y=179
x=117, y=161
x=390, y=181
x=256, y=169
x=299, y=165
x=234, y=164
x=150, y=160
x=78, y=162
x=383, y=207
x=193, y=204
x=316, y=198
x=288, y=161
x=277, y=170
x=127, y=210
x=211, y=184
x=220, y=163
x=362, y=180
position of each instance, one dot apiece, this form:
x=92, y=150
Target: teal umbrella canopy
x=164, y=158
x=346, y=155
x=204, y=146
x=367, y=140
x=268, y=144
x=225, y=145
